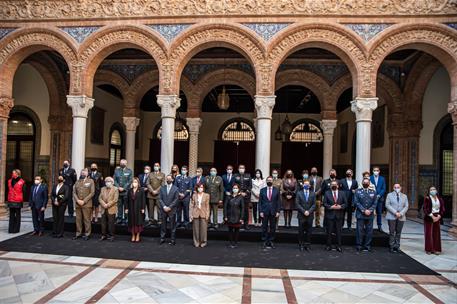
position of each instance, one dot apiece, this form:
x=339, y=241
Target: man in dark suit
x=245, y=181
x=305, y=203
x=228, y=180
x=168, y=204
x=335, y=203
x=38, y=201
x=144, y=179
x=270, y=205
x=70, y=177
x=380, y=184
x=198, y=178
x=315, y=182
x=97, y=177
x=348, y=186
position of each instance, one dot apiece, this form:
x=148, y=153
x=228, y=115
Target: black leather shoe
x=86, y=238
x=162, y=241
x=76, y=237
x=380, y=229
x=172, y=243
x=328, y=248
x=302, y=248
x=339, y=249
x=272, y=245
x=103, y=238
x=307, y=248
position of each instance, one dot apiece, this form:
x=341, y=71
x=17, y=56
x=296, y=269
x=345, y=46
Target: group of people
x=178, y=200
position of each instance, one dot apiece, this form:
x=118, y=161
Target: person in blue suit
x=198, y=178
x=184, y=184
x=380, y=184
x=270, y=205
x=38, y=201
x=365, y=200
x=228, y=180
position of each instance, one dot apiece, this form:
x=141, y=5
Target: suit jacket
x=63, y=196
x=170, y=199
x=155, y=181
x=393, y=206
x=203, y=211
x=380, y=187
x=363, y=200
x=215, y=188
x=427, y=207
x=316, y=188
x=84, y=189
x=69, y=177
x=302, y=205
x=40, y=199
x=228, y=184
x=329, y=202
x=109, y=196
x=348, y=190
x=325, y=186
x=193, y=182
x=270, y=207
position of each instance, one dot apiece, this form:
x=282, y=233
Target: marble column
x=328, y=128
x=168, y=104
x=452, y=109
x=194, y=124
x=6, y=104
x=264, y=108
x=131, y=123
x=80, y=106
x=363, y=109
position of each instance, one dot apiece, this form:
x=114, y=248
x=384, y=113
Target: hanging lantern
x=286, y=127
x=223, y=100
x=178, y=123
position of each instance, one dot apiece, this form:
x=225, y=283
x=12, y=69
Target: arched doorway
x=116, y=148
x=20, y=146
x=446, y=166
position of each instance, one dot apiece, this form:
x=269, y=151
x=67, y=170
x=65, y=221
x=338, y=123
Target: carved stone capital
x=328, y=126
x=363, y=108
x=264, y=106
x=6, y=104
x=194, y=124
x=131, y=123
x=452, y=109
x=169, y=104
x=80, y=105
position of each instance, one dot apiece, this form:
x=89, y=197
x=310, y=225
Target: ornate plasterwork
x=79, y=33
x=5, y=31
x=266, y=30
x=89, y=9
x=6, y=104
x=367, y=30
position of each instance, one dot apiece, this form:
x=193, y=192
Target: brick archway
x=22, y=43
x=332, y=37
x=113, y=38
x=338, y=88
x=434, y=39
x=201, y=37
x=112, y=78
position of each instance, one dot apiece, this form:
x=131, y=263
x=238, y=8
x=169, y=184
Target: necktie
x=334, y=196
x=269, y=193
x=144, y=179
x=398, y=198
x=229, y=177
x=306, y=195
x=35, y=192
x=198, y=179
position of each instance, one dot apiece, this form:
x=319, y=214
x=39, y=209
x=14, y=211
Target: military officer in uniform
x=215, y=189
x=156, y=180
x=69, y=175
x=277, y=181
x=97, y=177
x=184, y=184
x=365, y=200
x=122, y=180
x=83, y=192
x=244, y=180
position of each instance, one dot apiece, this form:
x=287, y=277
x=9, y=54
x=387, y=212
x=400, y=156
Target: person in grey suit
x=397, y=206
x=168, y=204
x=305, y=203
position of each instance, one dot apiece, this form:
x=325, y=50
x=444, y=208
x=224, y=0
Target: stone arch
x=113, y=38
x=307, y=79
x=21, y=43
x=392, y=90
x=435, y=39
x=332, y=37
x=111, y=78
x=201, y=37
x=338, y=88
x=224, y=76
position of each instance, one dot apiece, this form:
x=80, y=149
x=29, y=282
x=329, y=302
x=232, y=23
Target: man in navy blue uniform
x=365, y=200
x=269, y=203
x=184, y=184
x=380, y=184
x=38, y=201
x=228, y=180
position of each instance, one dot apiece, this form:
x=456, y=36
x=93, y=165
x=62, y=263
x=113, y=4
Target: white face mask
x=146, y=171
x=376, y=173
x=200, y=190
x=109, y=184
x=241, y=171
x=156, y=168
x=275, y=175
x=235, y=190
x=397, y=190
x=37, y=182
x=257, y=175
x=229, y=171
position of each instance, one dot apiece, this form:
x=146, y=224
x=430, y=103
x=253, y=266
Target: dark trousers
x=38, y=219
x=395, y=227
x=107, y=221
x=247, y=202
x=305, y=229
x=348, y=213
x=432, y=236
x=364, y=228
x=121, y=204
x=182, y=215
x=268, y=228
x=71, y=206
x=379, y=208
x=333, y=224
x=255, y=215
x=234, y=233
x=58, y=216
x=14, y=224
x=171, y=216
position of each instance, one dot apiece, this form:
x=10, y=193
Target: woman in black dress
x=60, y=196
x=135, y=209
x=233, y=210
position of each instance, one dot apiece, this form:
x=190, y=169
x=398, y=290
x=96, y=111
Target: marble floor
x=45, y=278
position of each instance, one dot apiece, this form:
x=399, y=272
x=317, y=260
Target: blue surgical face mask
x=305, y=176
x=433, y=192
x=212, y=173
x=183, y=172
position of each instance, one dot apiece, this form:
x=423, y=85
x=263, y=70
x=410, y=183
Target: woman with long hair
x=233, y=212
x=288, y=190
x=135, y=209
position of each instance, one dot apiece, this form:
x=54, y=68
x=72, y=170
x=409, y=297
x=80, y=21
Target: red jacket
x=15, y=193
x=428, y=207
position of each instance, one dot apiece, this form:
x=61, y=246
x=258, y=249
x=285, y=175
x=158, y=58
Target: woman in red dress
x=135, y=209
x=433, y=213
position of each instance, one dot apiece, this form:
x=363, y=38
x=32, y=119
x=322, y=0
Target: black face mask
x=169, y=182
x=332, y=176
x=269, y=184
x=313, y=173
x=66, y=165
x=60, y=180
x=93, y=169
x=348, y=174
x=334, y=187
x=366, y=185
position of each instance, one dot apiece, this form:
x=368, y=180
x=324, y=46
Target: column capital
x=452, y=109
x=194, y=124
x=264, y=106
x=328, y=126
x=169, y=104
x=131, y=123
x=6, y=104
x=363, y=108
x=80, y=105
